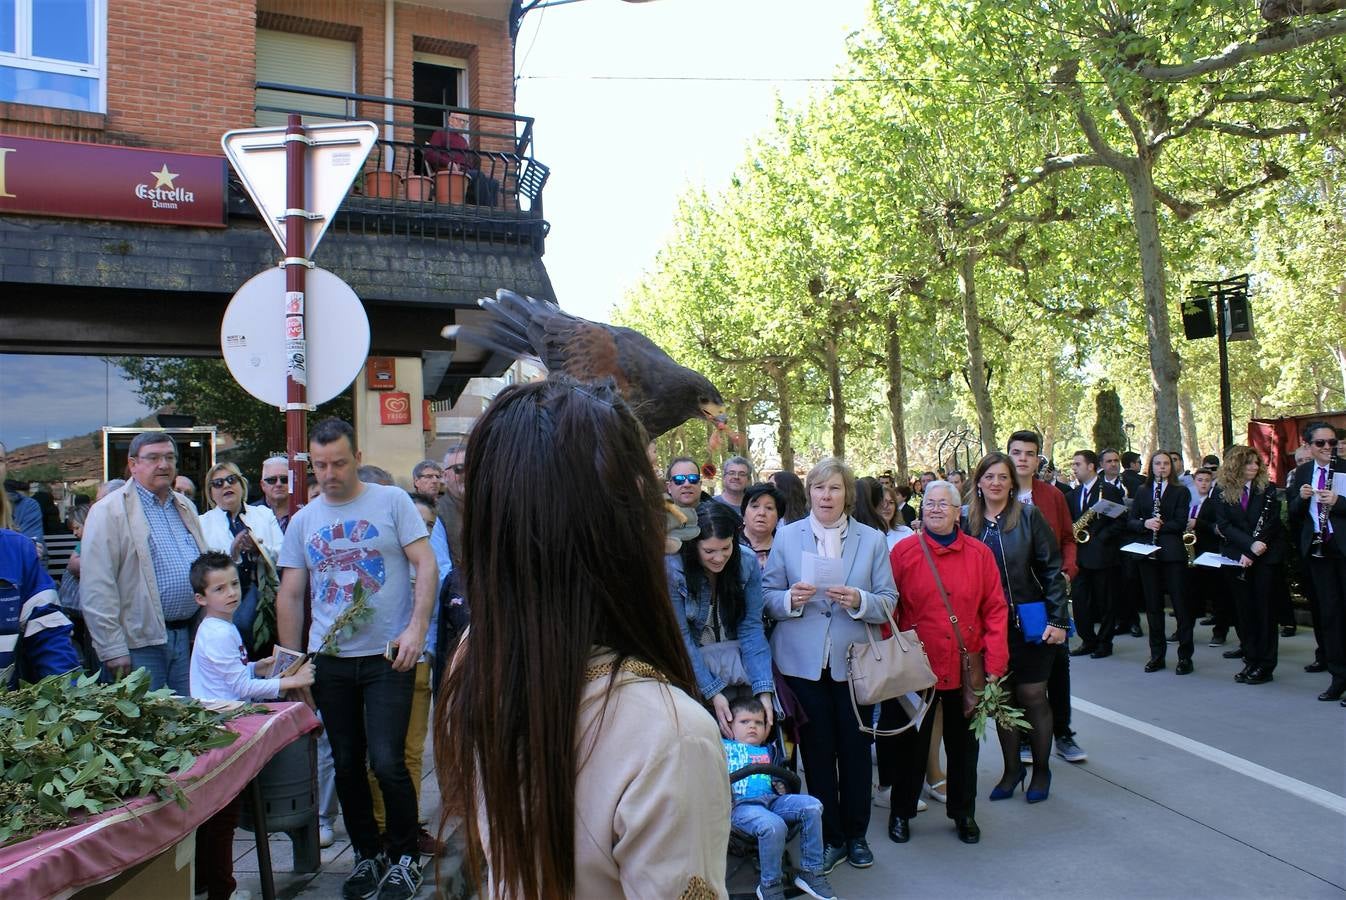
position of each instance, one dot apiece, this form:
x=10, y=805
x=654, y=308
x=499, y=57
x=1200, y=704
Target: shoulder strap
x=943, y=595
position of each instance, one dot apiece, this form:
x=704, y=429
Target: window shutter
x=303, y=61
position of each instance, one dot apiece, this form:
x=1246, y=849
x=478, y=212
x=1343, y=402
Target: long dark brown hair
x=563, y=535
x=976, y=504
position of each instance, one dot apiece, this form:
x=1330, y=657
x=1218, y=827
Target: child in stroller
x=764, y=810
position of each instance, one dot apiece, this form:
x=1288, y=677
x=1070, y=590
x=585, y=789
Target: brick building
x=94, y=260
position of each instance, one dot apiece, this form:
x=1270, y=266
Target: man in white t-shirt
x=355, y=545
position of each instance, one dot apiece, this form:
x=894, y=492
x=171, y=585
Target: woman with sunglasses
x=244, y=532
x=1029, y=560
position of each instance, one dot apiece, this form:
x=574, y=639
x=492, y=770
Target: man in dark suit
x=1318, y=519
x=1127, y=600
x=1092, y=592
x=1131, y=474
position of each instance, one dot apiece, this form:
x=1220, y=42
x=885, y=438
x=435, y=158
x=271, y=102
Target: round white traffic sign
x=254, y=341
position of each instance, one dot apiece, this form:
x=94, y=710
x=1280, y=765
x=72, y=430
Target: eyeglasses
x=686, y=479
x=937, y=504
x=1324, y=442
x=457, y=468
x=269, y=479
x=221, y=482
x=155, y=458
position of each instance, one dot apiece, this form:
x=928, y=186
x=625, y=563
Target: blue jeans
x=169, y=664
x=767, y=818
x=365, y=707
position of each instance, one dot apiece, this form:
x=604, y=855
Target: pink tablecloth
x=58, y=863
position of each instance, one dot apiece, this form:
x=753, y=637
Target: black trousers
x=1058, y=691
x=907, y=753
x=1128, y=597
x=836, y=756
x=1329, y=584
x=1255, y=603
x=1156, y=578
x=1091, y=599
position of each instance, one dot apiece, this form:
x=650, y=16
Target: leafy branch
x=994, y=705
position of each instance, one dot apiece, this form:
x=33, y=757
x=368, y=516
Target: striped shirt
x=173, y=549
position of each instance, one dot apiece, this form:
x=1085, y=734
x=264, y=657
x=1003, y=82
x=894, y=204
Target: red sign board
x=395, y=408
x=98, y=181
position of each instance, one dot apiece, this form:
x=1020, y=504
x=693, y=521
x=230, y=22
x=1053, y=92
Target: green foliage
x=204, y=388
x=357, y=614
x=1108, y=422
x=994, y=706
x=42, y=472
x=71, y=747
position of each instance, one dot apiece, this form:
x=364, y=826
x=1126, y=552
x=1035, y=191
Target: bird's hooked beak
x=714, y=413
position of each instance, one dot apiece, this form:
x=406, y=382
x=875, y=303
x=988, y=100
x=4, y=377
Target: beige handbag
x=886, y=669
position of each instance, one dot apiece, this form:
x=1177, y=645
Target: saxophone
x=1189, y=544
x=1081, y=526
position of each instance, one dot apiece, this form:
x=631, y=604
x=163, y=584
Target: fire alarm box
x=380, y=373
x=395, y=408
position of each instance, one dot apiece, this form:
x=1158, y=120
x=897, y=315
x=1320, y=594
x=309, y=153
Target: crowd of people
x=529, y=611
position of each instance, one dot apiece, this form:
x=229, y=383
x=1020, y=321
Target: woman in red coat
x=968, y=571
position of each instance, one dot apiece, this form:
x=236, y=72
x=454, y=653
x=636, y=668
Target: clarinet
x=1154, y=535
x=1319, y=544
x=1257, y=527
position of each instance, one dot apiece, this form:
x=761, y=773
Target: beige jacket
x=119, y=596
x=652, y=797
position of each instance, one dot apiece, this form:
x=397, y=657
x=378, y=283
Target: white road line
x=1326, y=799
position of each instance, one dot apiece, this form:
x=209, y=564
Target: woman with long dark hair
x=792, y=489
x=1159, y=516
x=1248, y=517
x=568, y=734
x=716, y=589
x=1029, y=560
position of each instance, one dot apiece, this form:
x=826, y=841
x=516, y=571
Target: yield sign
x=334, y=156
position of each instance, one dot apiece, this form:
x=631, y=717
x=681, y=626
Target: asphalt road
x=1194, y=786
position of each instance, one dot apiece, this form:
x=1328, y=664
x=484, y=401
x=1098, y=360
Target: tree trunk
x=1164, y=365
x=895, y=410
x=976, y=363
x=741, y=423
x=1191, y=448
x=832, y=359
x=1339, y=354
x=784, y=434
x=1050, y=416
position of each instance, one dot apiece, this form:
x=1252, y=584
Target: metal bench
x=59, y=549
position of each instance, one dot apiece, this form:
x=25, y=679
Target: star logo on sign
x=164, y=178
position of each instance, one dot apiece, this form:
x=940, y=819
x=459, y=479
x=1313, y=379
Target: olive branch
x=993, y=705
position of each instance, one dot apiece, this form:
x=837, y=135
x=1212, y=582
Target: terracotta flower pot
x=387, y=185
x=419, y=187
x=450, y=187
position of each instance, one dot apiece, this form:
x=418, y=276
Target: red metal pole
x=296, y=344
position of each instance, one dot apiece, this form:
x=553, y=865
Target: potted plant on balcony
x=419, y=187
x=382, y=182
x=450, y=185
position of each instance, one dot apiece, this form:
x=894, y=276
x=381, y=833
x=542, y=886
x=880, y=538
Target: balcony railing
x=484, y=182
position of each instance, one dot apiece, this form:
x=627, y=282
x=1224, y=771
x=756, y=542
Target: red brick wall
x=181, y=73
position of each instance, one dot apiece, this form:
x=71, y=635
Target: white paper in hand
x=821, y=573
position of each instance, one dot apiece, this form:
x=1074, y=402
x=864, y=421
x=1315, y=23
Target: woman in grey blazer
x=815, y=624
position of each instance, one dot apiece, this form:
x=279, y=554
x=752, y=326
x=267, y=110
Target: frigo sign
x=100, y=181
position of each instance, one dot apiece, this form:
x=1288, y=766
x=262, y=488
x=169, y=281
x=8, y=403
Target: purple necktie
x=1244, y=501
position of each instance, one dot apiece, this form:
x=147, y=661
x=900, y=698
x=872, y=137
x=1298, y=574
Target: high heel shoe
x=1038, y=796
x=1002, y=793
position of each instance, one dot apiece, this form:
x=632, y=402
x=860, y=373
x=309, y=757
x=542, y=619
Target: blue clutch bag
x=1033, y=621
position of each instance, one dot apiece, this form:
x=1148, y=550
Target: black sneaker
x=833, y=856
x=858, y=854
x=363, y=881
x=402, y=881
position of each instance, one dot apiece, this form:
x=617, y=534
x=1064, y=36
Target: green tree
x=1108, y=423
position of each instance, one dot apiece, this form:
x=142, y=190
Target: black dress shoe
x=1258, y=676
x=858, y=854
x=1288, y=631
x=1236, y=653
x=1155, y=664
x=1136, y=632
x=1184, y=667
x=1209, y=620
x=1335, y=691
x=1083, y=650
x=899, y=829
x=1242, y=676
x=1316, y=666
x=968, y=832
x=1101, y=653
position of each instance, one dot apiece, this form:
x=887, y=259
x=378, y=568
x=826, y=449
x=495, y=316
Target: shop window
x=52, y=53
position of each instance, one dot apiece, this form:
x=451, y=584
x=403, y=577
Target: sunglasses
x=457, y=468
x=270, y=479
x=221, y=482
x=1324, y=442
x=686, y=479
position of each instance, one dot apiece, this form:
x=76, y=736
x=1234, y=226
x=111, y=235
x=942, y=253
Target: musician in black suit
x=1163, y=523
x=1131, y=475
x=1093, y=590
x=1248, y=516
x=1318, y=519
x=1205, y=586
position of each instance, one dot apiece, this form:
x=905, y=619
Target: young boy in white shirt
x=220, y=671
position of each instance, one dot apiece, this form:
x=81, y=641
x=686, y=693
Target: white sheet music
x=1214, y=561
x=1108, y=508
x=1140, y=549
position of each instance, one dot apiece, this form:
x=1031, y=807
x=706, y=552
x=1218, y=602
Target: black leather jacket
x=1032, y=567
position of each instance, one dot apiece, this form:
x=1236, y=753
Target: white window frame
x=23, y=58
x=448, y=62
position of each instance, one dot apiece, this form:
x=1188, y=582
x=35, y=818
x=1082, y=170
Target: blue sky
x=624, y=122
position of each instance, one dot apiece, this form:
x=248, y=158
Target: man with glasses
x=1318, y=515
x=683, y=482
x=139, y=544
x=737, y=477
x=427, y=477
x=276, y=489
